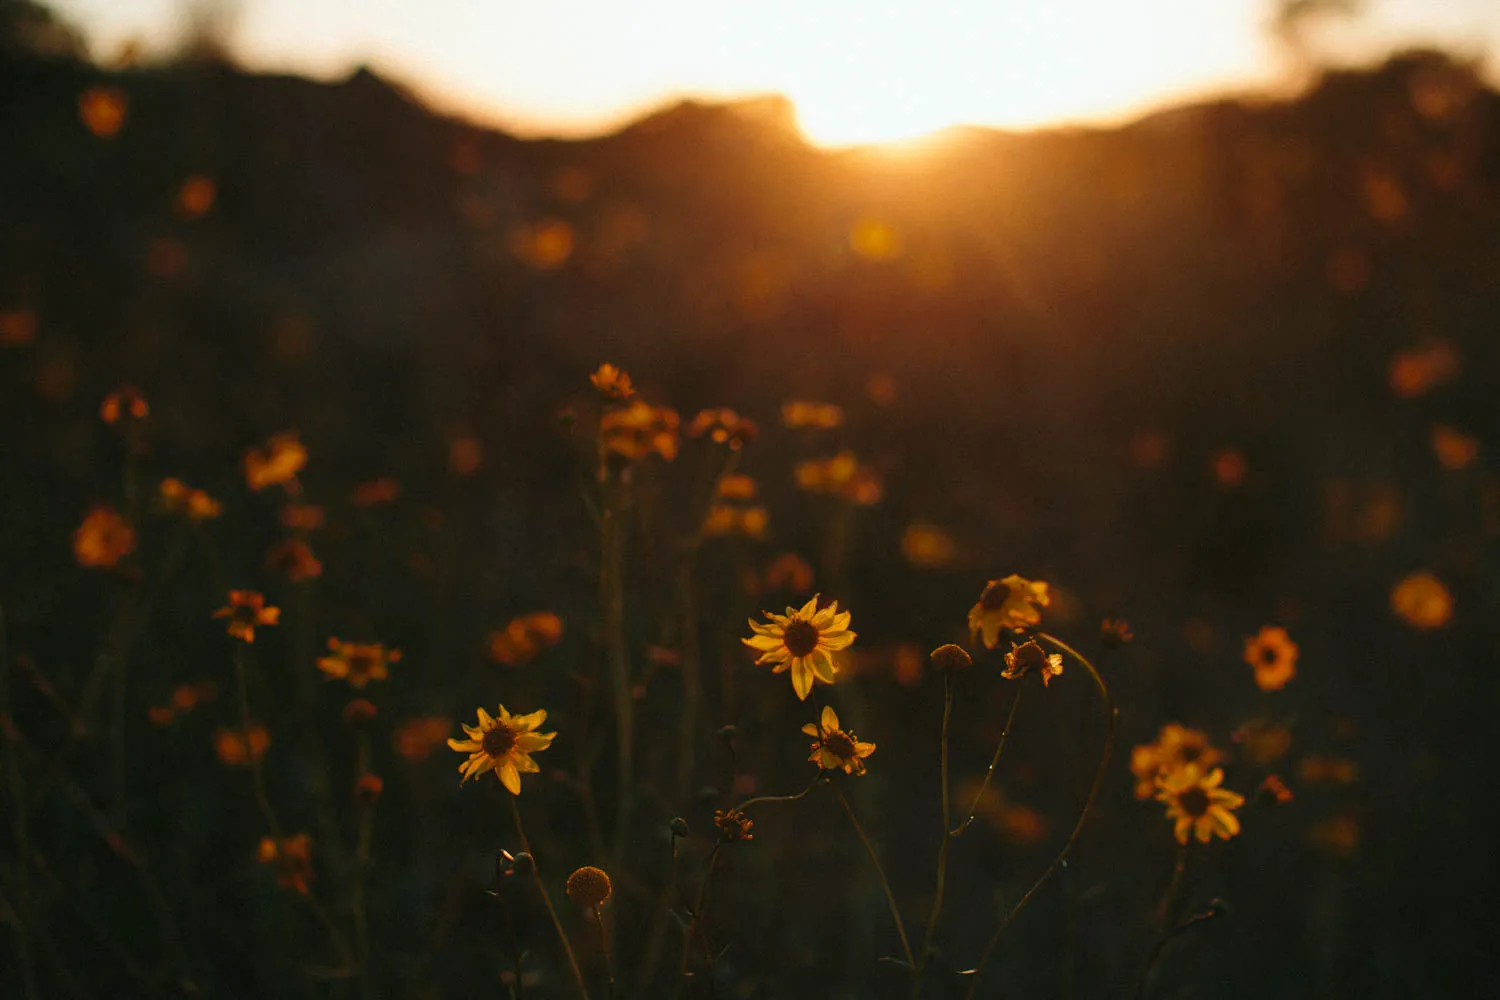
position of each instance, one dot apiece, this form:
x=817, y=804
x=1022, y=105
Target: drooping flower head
x=1176, y=746
x=1200, y=808
x=1029, y=657
x=504, y=744
x=1273, y=654
x=734, y=826
x=358, y=663
x=836, y=749
x=246, y=610
x=802, y=641
x=1012, y=603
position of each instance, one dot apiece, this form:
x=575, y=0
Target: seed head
x=589, y=886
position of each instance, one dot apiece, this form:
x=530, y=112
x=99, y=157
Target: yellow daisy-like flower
x=1273, y=654
x=836, y=749
x=1202, y=810
x=1176, y=746
x=802, y=641
x=1009, y=603
x=503, y=744
x=246, y=611
x=358, y=663
x=279, y=462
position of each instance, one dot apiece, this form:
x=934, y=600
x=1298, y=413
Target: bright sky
x=857, y=70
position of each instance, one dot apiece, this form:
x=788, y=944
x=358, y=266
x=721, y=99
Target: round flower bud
x=523, y=864
x=950, y=657
x=679, y=827
x=589, y=886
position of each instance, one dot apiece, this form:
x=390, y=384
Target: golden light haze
x=857, y=70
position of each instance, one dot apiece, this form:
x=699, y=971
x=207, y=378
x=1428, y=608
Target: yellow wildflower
x=103, y=539
x=504, y=744
x=1176, y=746
x=803, y=642
x=1202, y=810
x=125, y=401
x=279, y=462
x=802, y=413
x=180, y=499
x=1273, y=654
x=836, y=749
x=358, y=663
x=523, y=638
x=1422, y=601
x=640, y=429
x=724, y=426
x=1009, y=603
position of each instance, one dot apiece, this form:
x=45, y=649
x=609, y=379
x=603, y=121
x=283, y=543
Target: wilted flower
x=797, y=413
x=835, y=749
x=640, y=429
x=294, y=559
x=1010, y=603
x=802, y=641
x=1273, y=654
x=589, y=886
x=279, y=462
x=246, y=610
x=1028, y=657
x=1422, y=601
x=237, y=747
x=103, y=539
x=612, y=382
x=504, y=744
x=1202, y=810
x=724, y=426
x=734, y=826
x=182, y=500
x=292, y=859
x=523, y=638
x=1176, y=746
x=358, y=663
x=126, y=401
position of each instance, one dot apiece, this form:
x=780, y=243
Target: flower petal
x=802, y=677
x=510, y=777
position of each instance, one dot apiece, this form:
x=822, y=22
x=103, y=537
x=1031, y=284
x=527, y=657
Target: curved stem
x=536, y=875
x=759, y=799
x=698, y=914
x=942, y=865
x=1088, y=805
x=257, y=774
x=989, y=774
x=885, y=884
x=19, y=822
x=1214, y=909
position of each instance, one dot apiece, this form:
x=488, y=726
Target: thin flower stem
x=760, y=799
x=698, y=914
x=656, y=940
x=612, y=603
x=885, y=884
x=1214, y=909
x=609, y=967
x=19, y=820
x=942, y=865
x=1168, y=905
x=1088, y=805
x=536, y=875
x=989, y=774
x=257, y=775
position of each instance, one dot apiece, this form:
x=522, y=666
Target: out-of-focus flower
x=589, y=887
x=1317, y=770
x=842, y=476
x=1176, y=746
x=612, y=383
x=524, y=637
x=1454, y=449
x=1011, y=603
x=1348, y=269
x=278, y=463
x=796, y=413
x=545, y=245
x=368, y=788
x=1417, y=371
x=185, y=697
x=734, y=826
x=1029, y=657
x=881, y=388
x=415, y=739
x=1422, y=601
x=1385, y=197
x=291, y=857
x=789, y=572
x=1115, y=632
x=362, y=710
x=246, y=611
x=1230, y=468
x=196, y=197
x=836, y=749
x=927, y=546
x=1273, y=789
x=722, y=519
x=724, y=426
x=735, y=488
x=1273, y=654
x=125, y=402
x=181, y=500
x=358, y=663
x=294, y=559
x=1149, y=448
x=103, y=539
x=465, y=455
x=802, y=641
x=103, y=110
x=1338, y=836
x=17, y=327
x=1200, y=808
x=640, y=429
x=302, y=517
x=873, y=239
x=236, y=747
x=375, y=492
x=504, y=744
x=1263, y=742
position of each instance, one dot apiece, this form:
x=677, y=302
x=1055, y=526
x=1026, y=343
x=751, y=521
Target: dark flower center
x=1194, y=802
x=498, y=741
x=1190, y=753
x=1268, y=656
x=363, y=664
x=839, y=743
x=994, y=597
x=801, y=637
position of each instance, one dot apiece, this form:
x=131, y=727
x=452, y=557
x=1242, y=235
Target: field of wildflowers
x=967, y=660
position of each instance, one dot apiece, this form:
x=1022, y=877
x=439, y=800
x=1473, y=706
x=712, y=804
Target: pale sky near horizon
x=857, y=70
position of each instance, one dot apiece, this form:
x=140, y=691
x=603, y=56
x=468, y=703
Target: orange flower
x=417, y=738
x=293, y=558
x=246, y=610
x=789, y=572
x=1200, y=809
x=358, y=663
x=612, y=382
x=375, y=492
x=1176, y=746
x=1275, y=790
x=17, y=327
x=292, y=859
x=196, y=196
x=724, y=426
x=302, y=517
x=239, y=747
x=734, y=826
x=361, y=710
x=523, y=638
x=103, y=110
x=103, y=539
x=796, y=413
x=1422, y=601
x=125, y=401
x=1416, y=371
x=279, y=462
x=927, y=546
x=639, y=429
x=735, y=488
x=465, y=455
x=723, y=520
x=1273, y=654
x=842, y=476
x=368, y=788
x=1454, y=449
x=180, y=499
x=546, y=245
